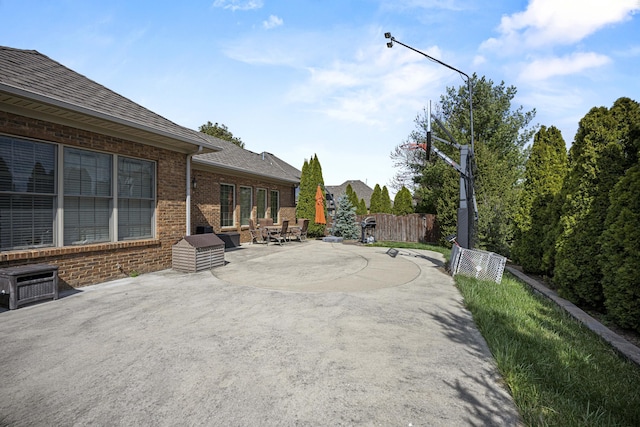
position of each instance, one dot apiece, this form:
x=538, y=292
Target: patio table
x=271, y=229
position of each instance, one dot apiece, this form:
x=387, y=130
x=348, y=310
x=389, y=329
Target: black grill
x=368, y=227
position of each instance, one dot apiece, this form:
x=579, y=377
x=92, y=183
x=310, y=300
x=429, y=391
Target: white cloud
x=234, y=5
x=272, y=22
x=479, y=60
x=556, y=22
x=542, y=69
x=375, y=87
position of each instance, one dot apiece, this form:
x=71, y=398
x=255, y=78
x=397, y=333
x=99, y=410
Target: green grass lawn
x=558, y=371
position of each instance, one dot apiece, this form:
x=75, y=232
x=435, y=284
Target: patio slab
x=310, y=333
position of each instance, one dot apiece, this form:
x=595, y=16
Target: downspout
x=188, y=202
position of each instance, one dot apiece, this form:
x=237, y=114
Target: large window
x=136, y=198
x=27, y=193
x=87, y=196
x=261, y=203
x=245, y=205
x=275, y=205
x=227, y=204
x=30, y=173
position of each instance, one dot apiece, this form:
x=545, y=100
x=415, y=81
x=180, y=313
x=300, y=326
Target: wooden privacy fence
x=420, y=228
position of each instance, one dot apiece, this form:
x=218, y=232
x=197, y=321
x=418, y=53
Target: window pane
x=86, y=220
x=135, y=219
x=27, y=166
x=227, y=204
x=26, y=221
x=87, y=173
x=261, y=203
x=275, y=205
x=27, y=193
x=135, y=178
x=245, y=205
x=136, y=198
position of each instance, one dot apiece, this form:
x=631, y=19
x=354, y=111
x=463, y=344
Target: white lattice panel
x=482, y=265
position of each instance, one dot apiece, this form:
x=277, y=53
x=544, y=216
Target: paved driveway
x=305, y=334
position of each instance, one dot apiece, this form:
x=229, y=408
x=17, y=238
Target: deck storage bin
x=197, y=253
x=231, y=239
x=29, y=283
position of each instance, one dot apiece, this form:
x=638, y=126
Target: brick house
x=103, y=188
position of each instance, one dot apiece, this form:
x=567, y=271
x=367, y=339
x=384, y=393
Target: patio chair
x=280, y=235
x=257, y=235
x=300, y=232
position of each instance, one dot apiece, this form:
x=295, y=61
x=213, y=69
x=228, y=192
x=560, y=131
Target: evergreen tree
x=362, y=208
x=386, y=201
x=306, y=194
x=595, y=166
x=375, y=205
x=315, y=172
x=351, y=194
x=621, y=253
x=310, y=178
x=345, y=224
x=544, y=174
x=403, y=202
x=501, y=133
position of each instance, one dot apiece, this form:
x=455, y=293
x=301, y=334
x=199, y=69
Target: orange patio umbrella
x=320, y=218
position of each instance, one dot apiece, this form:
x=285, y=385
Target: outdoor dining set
x=266, y=231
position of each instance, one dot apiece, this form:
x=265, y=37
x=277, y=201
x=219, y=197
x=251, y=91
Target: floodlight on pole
x=431, y=58
x=466, y=220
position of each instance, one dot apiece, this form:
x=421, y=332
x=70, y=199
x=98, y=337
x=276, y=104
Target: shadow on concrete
x=4, y=300
x=460, y=328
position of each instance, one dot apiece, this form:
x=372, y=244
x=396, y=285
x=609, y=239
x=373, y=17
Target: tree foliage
x=351, y=194
x=500, y=134
x=345, y=224
x=621, y=252
x=544, y=174
x=596, y=164
x=375, y=205
x=362, y=208
x=306, y=194
x=220, y=131
x=403, y=202
x=310, y=178
x=385, y=201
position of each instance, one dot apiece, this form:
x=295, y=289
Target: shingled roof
x=235, y=159
x=33, y=84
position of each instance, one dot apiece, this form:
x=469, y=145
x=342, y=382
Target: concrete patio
x=309, y=333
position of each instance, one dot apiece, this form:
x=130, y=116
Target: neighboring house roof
x=32, y=84
x=235, y=159
x=362, y=190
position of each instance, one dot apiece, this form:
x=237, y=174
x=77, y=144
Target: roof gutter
x=188, y=183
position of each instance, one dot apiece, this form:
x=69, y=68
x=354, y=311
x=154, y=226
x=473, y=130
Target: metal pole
x=466, y=220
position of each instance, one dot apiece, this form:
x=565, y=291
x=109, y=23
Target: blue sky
x=300, y=77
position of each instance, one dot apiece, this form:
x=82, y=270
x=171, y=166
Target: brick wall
x=89, y=264
x=205, y=201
